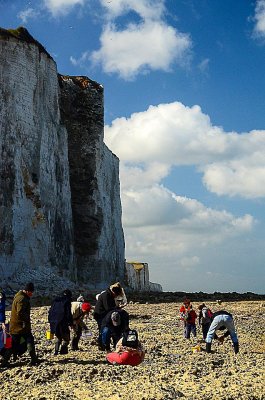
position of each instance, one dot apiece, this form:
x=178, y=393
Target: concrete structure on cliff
x=60, y=207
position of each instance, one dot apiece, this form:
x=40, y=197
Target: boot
x=64, y=349
x=33, y=357
x=57, y=348
x=6, y=357
x=236, y=347
x=208, y=347
x=74, y=344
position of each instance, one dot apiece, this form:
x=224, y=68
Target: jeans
x=188, y=329
x=222, y=321
x=106, y=335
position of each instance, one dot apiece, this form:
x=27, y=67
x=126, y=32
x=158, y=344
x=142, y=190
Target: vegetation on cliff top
x=22, y=34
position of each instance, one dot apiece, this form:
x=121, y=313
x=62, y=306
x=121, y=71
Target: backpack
x=206, y=315
x=130, y=338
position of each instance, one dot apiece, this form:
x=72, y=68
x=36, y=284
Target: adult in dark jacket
x=60, y=318
x=20, y=324
x=112, y=327
x=222, y=320
x=104, y=304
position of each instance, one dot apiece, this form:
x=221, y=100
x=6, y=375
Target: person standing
x=79, y=310
x=188, y=316
x=205, y=319
x=222, y=320
x=60, y=319
x=20, y=323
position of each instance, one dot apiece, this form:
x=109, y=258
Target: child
x=205, y=319
x=188, y=316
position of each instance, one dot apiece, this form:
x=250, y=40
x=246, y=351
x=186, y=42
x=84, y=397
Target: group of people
x=66, y=320
x=113, y=325
x=210, y=323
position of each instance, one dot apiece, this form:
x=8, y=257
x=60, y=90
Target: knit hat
x=29, y=287
x=116, y=319
x=86, y=307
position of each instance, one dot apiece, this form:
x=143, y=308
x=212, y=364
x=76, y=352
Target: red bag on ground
x=125, y=358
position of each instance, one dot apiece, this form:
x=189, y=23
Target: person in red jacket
x=188, y=316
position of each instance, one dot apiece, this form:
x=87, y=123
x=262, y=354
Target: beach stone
x=170, y=369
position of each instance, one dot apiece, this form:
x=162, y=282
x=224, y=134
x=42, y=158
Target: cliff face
x=94, y=179
x=137, y=278
x=59, y=184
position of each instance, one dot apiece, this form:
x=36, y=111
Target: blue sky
x=184, y=88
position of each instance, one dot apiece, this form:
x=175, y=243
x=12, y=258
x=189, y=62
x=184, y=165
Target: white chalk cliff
x=59, y=184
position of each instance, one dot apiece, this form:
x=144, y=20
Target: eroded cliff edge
x=60, y=210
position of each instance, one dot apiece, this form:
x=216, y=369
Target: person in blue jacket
x=60, y=319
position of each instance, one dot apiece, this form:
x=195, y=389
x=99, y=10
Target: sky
x=184, y=94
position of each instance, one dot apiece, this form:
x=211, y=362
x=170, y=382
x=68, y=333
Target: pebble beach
x=171, y=368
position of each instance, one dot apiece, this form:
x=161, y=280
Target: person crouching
x=222, y=320
x=79, y=310
x=112, y=327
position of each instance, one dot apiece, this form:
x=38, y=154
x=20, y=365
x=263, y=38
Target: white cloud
x=142, y=176
x=147, y=9
x=80, y=61
x=174, y=135
x=151, y=45
x=235, y=178
x=189, y=262
x=61, y=7
x=155, y=206
x=204, y=65
x=259, y=18
x=28, y=14
x=175, y=235
x=180, y=237
x=143, y=42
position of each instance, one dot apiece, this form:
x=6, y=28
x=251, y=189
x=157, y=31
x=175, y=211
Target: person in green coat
x=20, y=324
